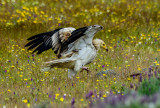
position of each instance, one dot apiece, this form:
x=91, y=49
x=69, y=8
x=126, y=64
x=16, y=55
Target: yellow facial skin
x=103, y=45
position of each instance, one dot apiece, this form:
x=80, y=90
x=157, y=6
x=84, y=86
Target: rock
x=107, y=72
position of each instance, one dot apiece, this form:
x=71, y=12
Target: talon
x=85, y=68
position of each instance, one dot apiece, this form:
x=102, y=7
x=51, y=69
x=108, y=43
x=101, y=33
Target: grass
x=149, y=87
x=131, y=33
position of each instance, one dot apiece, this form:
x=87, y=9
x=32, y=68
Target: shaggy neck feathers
x=97, y=43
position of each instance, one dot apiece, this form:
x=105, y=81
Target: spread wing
x=52, y=39
x=58, y=40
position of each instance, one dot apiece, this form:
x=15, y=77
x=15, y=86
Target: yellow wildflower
x=129, y=79
x=61, y=99
x=28, y=105
x=57, y=95
x=109, y=30
x=77, y=77
x=104, y=95
x=81, y=100
x=99, y=65
x=46, y=72
x=25, y=101
x=104, y=75
x=139, y=68
x=9, y=90
x=25, y=79
x=114, y=79
x=12, y=66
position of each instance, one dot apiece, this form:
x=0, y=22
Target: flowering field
x=131, y=33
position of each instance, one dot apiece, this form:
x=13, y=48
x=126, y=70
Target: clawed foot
x=85, y=68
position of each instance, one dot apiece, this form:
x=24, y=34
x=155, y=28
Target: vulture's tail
x=60, y=63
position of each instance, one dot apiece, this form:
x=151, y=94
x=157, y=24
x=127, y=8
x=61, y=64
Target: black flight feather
x=38, y=40
x=42, y=41
x=50, y=33
x=35, y=44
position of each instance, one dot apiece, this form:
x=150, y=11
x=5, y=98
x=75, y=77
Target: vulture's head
x=98, y=43
x=94, y=29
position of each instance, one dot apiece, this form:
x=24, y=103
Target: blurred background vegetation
x=131, y=32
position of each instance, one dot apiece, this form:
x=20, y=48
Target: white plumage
x=74, y=47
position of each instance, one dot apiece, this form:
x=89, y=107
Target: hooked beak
x=101, y=27
x=105, y=47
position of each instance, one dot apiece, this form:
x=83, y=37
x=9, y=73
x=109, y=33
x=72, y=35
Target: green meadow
x=131, y=33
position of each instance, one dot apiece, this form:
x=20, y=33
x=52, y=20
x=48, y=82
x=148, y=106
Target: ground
x=131, y=33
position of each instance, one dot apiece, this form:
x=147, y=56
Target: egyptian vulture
x=74, y=47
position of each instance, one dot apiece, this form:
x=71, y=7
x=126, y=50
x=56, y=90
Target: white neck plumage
x=97, y=43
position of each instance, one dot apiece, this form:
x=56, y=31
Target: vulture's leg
x=85, y=68
x=71, y=73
